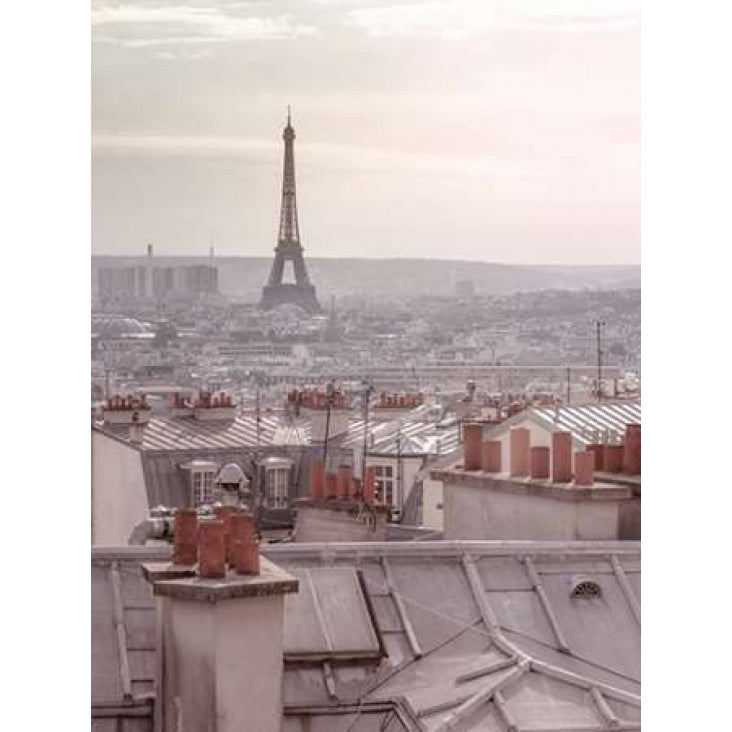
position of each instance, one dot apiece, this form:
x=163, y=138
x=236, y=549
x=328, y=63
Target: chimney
x=221, y=645
x=369, y=485
x=330, y=485
x=614, y=458
x=317, y=474
x=492, y=456
x=211, y=550
x=137, y=433
x=519, y=452
x=472, y=440
x=561, y=457
x=632, y=456
x=598, y=450
x=343, y=478
x=354, y=488
x=540, y=463
x=244, y=542
x=185, y=537
x=225, y=514
x=584, y=468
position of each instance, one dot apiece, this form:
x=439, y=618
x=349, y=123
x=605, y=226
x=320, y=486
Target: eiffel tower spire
x=301, y=292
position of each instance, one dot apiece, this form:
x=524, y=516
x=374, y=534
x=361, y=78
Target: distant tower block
x=300, y=292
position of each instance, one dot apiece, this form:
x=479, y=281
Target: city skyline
x=427, y=129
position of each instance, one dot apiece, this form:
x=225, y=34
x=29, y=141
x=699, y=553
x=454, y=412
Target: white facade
x=394, y=476
x=433, y=513
x=119, y=498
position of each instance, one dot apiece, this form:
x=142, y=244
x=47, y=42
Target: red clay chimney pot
x=211, y=550
x=540, y=463
x=472, y=440
x=519, y=444
x=584, y=468
x=491, y=457
x=561, y=457
x=185, y=536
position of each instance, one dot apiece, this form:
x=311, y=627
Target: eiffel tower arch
x=300, y=292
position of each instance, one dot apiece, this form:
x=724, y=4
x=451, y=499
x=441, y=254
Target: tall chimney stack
x=472, y=440
x=519, y=443
x=632, y=456
x=561, y=457
x=221, y=646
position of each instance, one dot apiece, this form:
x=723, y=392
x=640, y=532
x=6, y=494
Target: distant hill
x=243, y=277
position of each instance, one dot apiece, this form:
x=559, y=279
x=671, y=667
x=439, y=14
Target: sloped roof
x=187, y=433
x=587, y=423
x=418, y=435
x=405, y=436
x=479, y=635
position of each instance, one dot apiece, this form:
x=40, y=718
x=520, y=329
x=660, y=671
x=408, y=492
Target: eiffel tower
x=300, y=292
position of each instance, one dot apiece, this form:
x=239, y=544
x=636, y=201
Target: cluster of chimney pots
x=388, y=401
x=316, y=399
x=541, y=463
x=207, y=400
x=342, y=484
x=229, y=540
x=128, y=403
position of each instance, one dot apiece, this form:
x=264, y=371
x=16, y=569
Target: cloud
x=462, y=18
x=142, y=25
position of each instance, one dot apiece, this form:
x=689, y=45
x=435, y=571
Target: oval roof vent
x=585, y=588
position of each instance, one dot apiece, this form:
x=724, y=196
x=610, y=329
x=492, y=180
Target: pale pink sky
x=501, y=131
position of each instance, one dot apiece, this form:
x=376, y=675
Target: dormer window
x=201, y=476
x=276, y=480
x=202, y=487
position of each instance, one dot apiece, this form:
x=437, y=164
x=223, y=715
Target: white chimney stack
x=222, y=650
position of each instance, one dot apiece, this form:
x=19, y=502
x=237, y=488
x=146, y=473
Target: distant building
x=156, y=282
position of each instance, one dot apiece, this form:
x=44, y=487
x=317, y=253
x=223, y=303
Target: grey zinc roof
x=406, y=436
x=478, y=635
x=590, y=421
x=122, y=647
x=418, y=435
x=187, y=433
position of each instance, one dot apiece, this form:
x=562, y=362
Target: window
x=384, y=480
x=585, y=588
x=202, y=487
x=277, y=487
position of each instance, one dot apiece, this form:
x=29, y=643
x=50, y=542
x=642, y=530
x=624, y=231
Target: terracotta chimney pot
x=598, y=450
x=185, y=536
x=491, y=457
x=211, y=550
x=225, y=514
x=540, y=463
x=317, y=473
x=343, y=478
x=472, y=440
x=561, y=457
x=519, y=443
x=632, y=456
x=330, y=485
x=369, y=485
x=584, y=468
x=614, y=458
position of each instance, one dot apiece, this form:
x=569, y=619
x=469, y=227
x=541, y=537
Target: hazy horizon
x=502, y=132
x=416, y=258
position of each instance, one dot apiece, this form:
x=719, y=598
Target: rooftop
x=472, y=635
x=589, y=423
x=415, y=433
